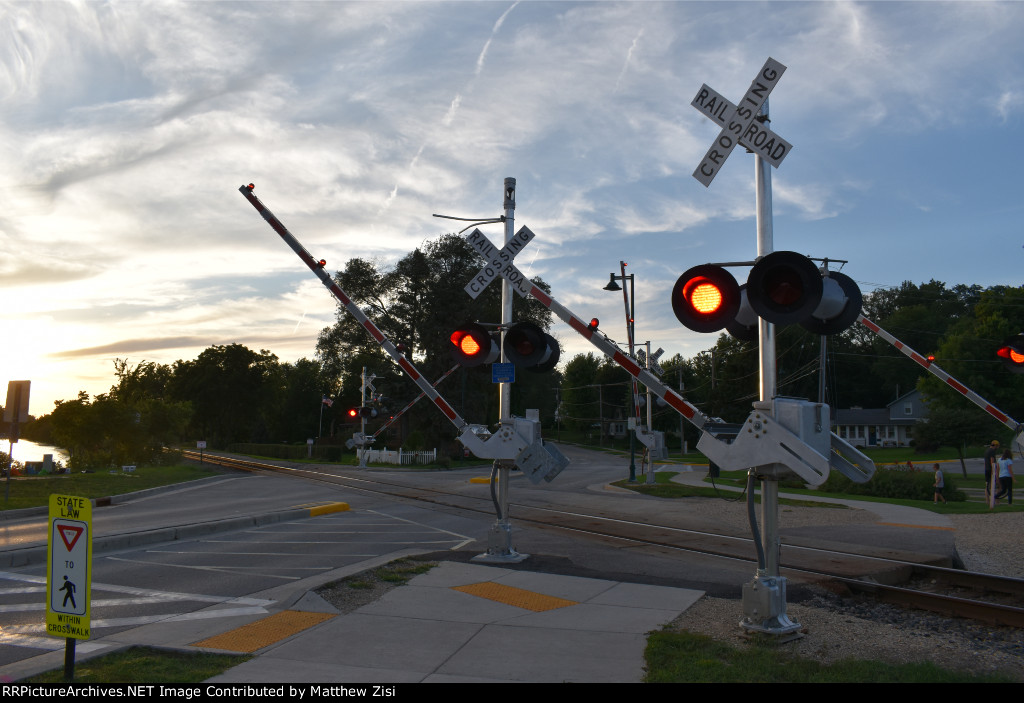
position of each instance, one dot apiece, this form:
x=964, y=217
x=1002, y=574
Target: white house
x=881, y=427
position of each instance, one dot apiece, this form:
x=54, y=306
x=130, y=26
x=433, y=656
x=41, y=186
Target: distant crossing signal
x=1012, y=354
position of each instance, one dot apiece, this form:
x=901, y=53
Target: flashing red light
x=705, y=298
x=472, y=345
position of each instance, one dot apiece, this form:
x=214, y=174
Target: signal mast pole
x=499, y=539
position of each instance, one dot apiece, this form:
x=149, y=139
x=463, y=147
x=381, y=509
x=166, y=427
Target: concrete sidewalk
x=475, y=623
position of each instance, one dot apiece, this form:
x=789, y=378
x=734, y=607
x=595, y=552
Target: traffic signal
x=472, y=345
x=530, y=347
x=358, y=413
x=782, y=288
x=1012, y=353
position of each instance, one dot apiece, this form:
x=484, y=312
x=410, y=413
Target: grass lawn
x=663, y=487
x=145, y=665
x=34, y=491
x=975, y=503
x=684, y=657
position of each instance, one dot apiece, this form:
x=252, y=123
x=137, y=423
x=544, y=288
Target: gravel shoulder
x=835, y=628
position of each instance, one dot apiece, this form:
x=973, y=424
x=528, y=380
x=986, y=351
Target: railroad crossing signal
x=1012, y=353
x=472, y=345
x=530, y=347
x=783, y=288
x=739, y=125
x=499, y=262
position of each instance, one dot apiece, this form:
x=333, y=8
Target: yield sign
x=741, y=117
x=69, y=534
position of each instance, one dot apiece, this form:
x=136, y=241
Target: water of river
x=25, y=450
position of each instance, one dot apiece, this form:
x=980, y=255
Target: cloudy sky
x=126, y=129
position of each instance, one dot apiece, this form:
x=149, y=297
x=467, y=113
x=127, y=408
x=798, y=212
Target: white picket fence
x=400, y=457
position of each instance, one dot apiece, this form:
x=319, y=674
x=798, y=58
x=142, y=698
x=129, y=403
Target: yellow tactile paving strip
x=509, y=595
x=328, y=509
x=265, y=632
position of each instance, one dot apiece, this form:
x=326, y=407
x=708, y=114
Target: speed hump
x=69, y=567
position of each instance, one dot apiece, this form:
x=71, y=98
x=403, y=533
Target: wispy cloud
x=126, y=129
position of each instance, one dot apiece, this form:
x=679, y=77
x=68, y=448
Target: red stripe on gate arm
x=626, y=363
x=540, y=295
x=869, y=324
x=374, y=332
x=340, y=294
x=409, y=368
x=445, y=408
x=679, y=404
x=996, y=414
x=957, y=385
x=583, y=329
x=919, y=359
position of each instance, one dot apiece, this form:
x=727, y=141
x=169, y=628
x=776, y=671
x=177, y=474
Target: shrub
x=894, y=482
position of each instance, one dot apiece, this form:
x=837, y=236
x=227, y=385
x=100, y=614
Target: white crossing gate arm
x=610, y=349
x=317, y=267
x=415, y=400
x=933, y=368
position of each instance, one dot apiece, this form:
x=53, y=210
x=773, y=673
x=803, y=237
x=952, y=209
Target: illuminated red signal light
x=472, y=345
x=1012, y=354
x=706, y=298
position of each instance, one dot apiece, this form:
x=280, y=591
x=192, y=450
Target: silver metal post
x=764, y=598
x=499, y=541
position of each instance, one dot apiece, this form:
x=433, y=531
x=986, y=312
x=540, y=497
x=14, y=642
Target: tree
x=968, y=354
x=233, y=391
x=948, y=427
x=417, y=303
x=100, y=433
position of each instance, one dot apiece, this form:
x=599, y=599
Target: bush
x=894, y=482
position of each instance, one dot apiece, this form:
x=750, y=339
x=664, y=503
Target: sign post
x=499, y=263
x=69, y=573
x=764, y=598
x=15, y=412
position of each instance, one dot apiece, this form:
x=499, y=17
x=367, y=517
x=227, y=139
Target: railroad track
x=951, y=592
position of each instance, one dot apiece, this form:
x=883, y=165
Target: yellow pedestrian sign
x=69, y=570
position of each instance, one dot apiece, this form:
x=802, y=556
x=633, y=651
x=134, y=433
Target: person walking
x=940, y=483
x=990, y=459
x=1006, y=477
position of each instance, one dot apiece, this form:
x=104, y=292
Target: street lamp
x=628, y=300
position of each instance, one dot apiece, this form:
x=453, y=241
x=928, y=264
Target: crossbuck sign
x=499, y=262
x=739, y=124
